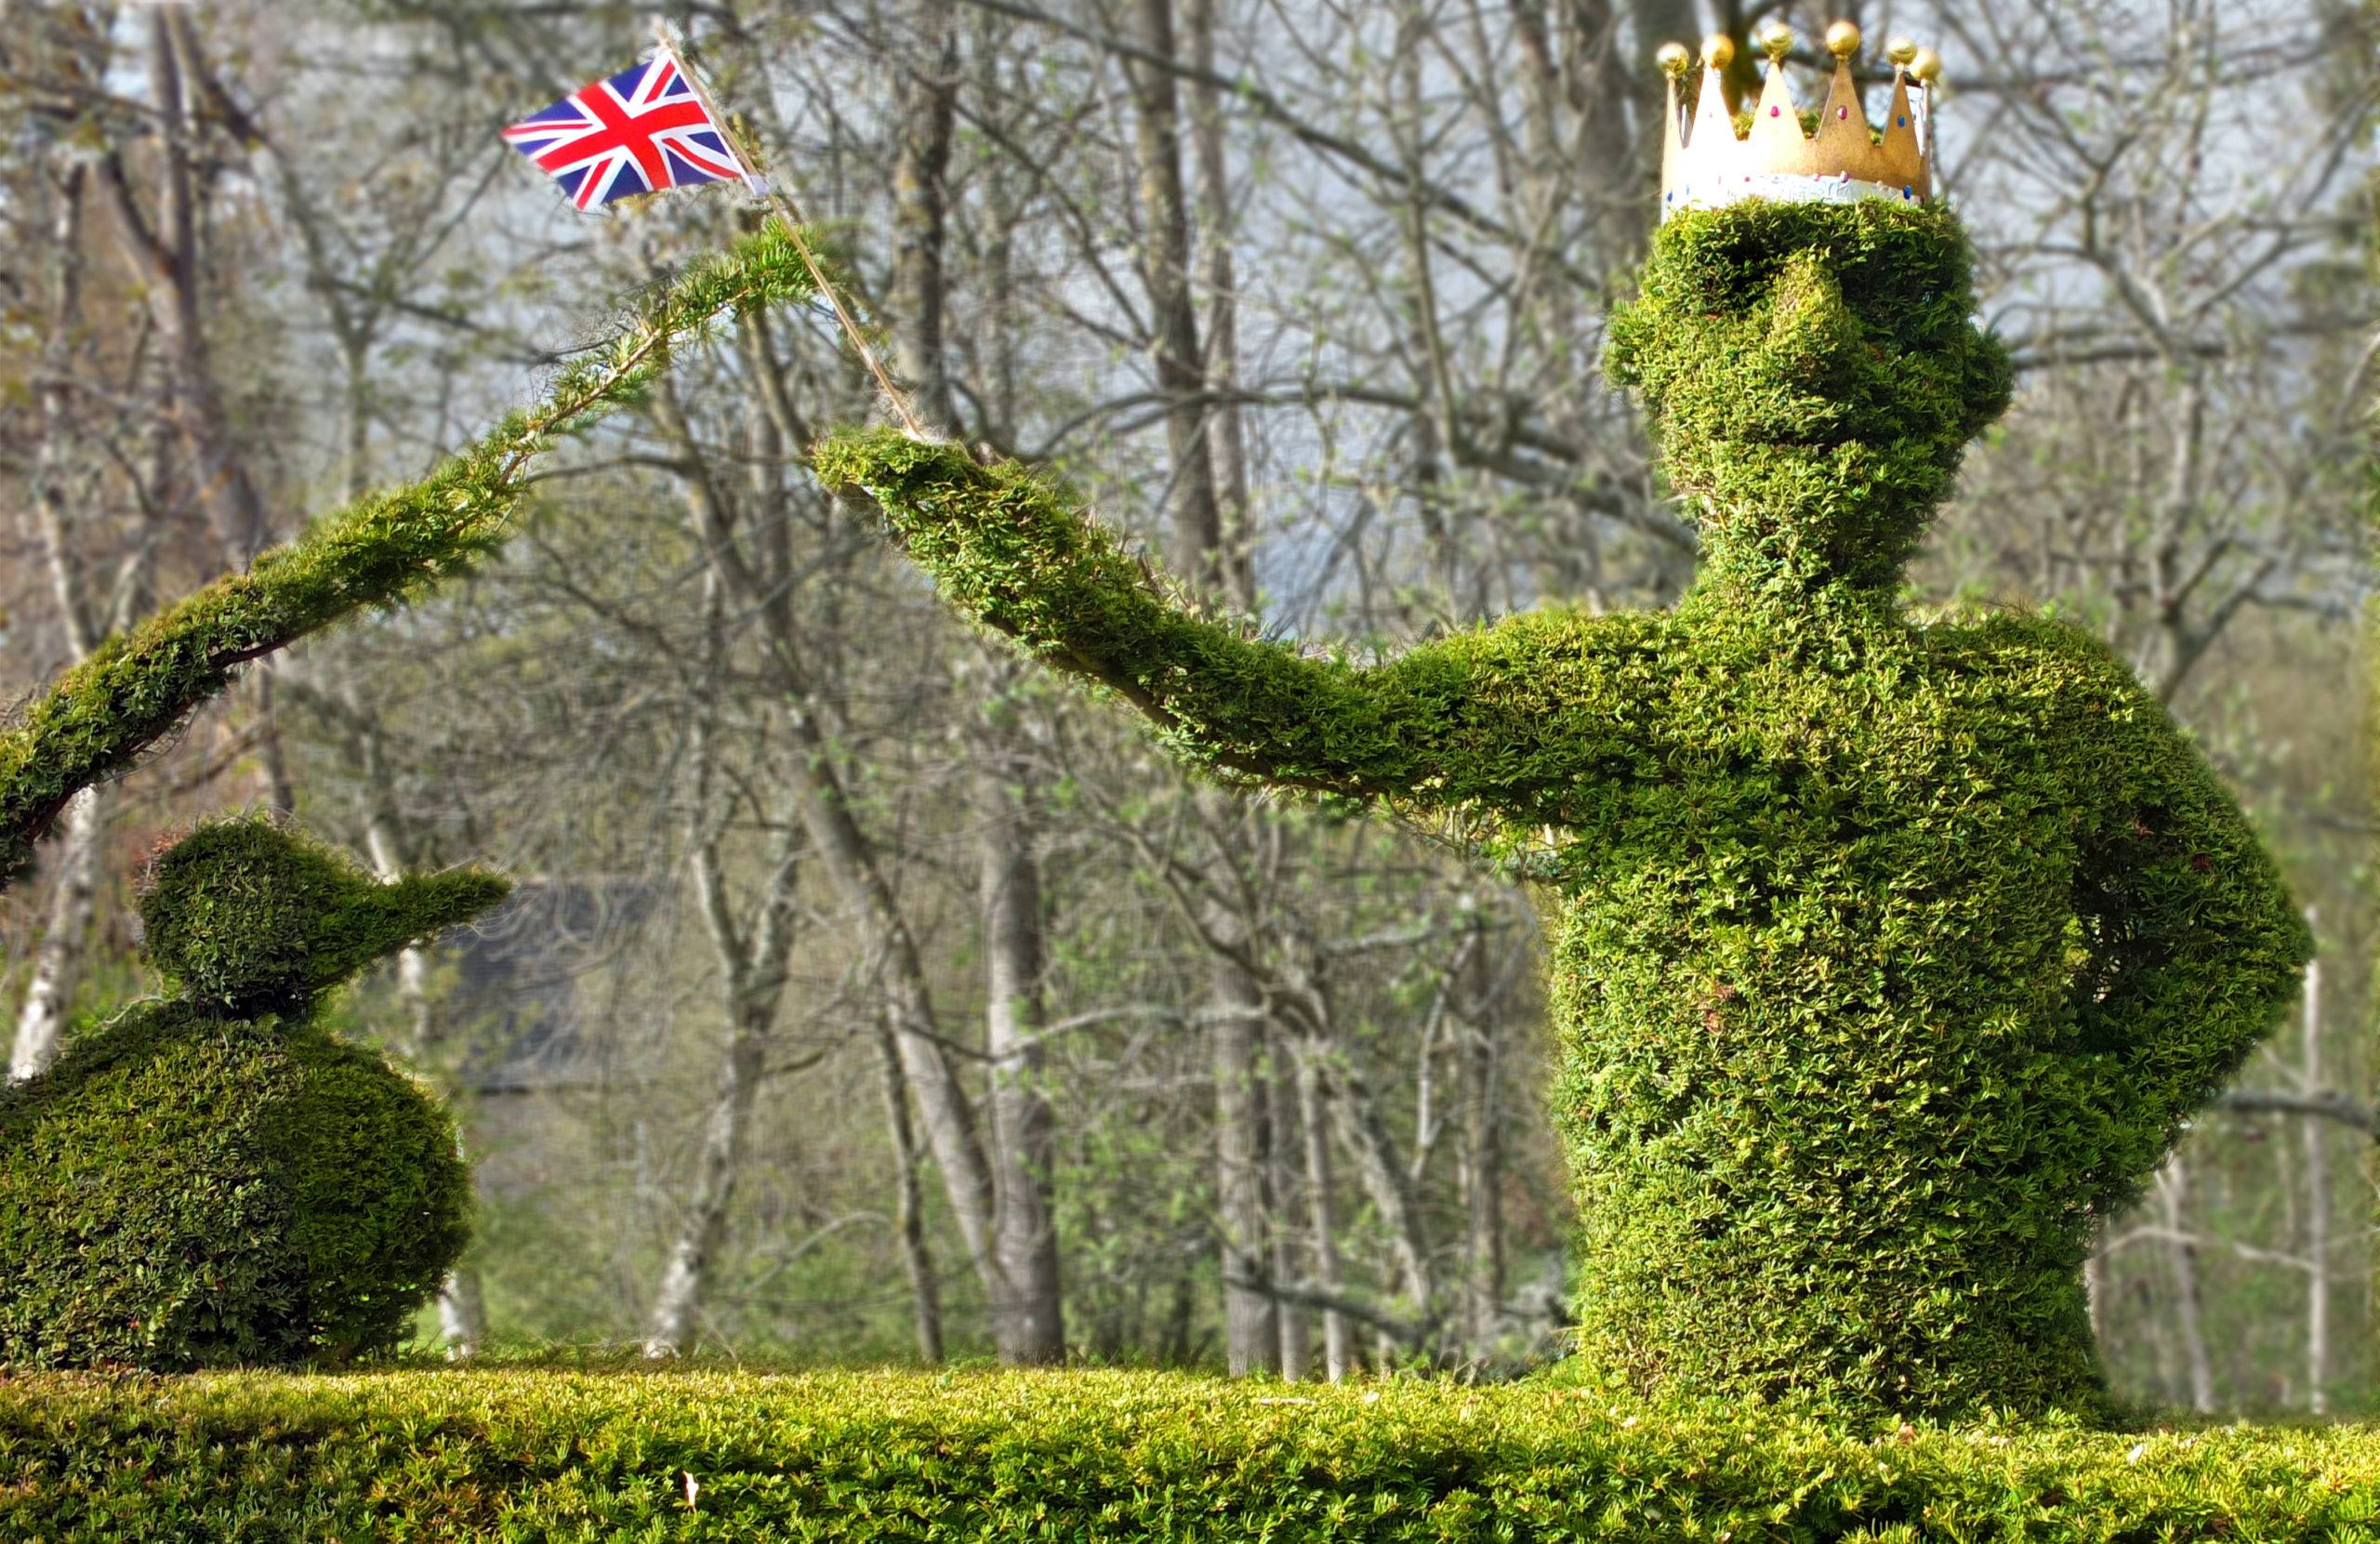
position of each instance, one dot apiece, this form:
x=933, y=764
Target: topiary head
x=249, y=917
x=1813, y=373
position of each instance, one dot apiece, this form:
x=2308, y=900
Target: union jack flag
x=641, y=131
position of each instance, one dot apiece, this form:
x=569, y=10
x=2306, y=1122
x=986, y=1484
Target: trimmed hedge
x=1891, y=954
x=858, y=1458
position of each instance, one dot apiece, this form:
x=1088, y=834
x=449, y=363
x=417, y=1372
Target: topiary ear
x=1993, y=386
x=1623, y=348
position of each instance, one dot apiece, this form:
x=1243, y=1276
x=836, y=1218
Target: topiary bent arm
x=1488, y=716
x=2194, y=944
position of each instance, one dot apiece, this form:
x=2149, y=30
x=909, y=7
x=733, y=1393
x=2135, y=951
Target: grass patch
x=530, y=1453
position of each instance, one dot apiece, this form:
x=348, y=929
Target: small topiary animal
x=212, y=1179
x=1889, y=955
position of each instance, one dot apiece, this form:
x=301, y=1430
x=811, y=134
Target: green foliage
x=1813, y=374
x=244, y=914
x=183, y=1190
x=1889, y=955
x=861, y=1457
x=384, y=550
x=214, y=1180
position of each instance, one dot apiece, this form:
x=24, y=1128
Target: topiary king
x=212, y=1179
x=1889, y=955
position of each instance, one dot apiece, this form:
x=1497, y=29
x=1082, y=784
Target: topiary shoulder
x=213, y=1178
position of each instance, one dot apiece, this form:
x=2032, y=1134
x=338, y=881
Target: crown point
x=1900, y=48
x=1718, y=50
x=1775, y=40
x=1926, y=65
x=1674, y=59
x=1843, y=40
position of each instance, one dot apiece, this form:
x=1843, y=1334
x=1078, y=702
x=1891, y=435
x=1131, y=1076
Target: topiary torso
x=213, y=1178
x=1888, y=955
x=1857, y=1030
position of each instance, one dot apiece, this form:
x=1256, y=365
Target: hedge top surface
x=248, y=915
x=866, y=1457
x=1891, y=953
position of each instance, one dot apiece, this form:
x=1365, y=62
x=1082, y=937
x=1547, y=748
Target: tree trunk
x=2317, y=1209
x=1196, y=521
x=462, y=1313
x=928, y=103
x=1481, y=1177
x=1338, y=1347
x=65, y=940
x=1369, y=1141
x=703, y=1228
x=1251, y=1335
x=172, y=254
x=925, y=1293
x=1226, y=433
x=1027, y=1308
x=2181, y=1259
x=1024, y=1299
x=1280, y=1099
x=849, y=857
x=58, y=965
x=752, y=973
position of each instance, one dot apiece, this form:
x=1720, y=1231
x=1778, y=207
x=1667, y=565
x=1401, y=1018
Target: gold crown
x=1705, y=165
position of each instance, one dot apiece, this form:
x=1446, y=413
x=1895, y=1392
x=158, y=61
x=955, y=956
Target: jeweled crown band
x=1705, y=165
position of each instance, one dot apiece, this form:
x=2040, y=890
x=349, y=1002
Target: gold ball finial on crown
x=1709, y=163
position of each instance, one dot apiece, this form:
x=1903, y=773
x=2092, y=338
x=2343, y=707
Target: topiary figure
x=212, y=1179
x=1889, y=955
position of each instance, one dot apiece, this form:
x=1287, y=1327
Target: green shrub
x=1102, y=1458
x=1889, y=956
x=245, y=913
x=214, y=1180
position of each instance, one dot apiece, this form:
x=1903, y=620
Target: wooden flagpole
x=789, y=213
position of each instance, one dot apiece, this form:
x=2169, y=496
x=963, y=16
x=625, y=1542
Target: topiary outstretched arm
x=1471, y=716
x=2196, y=943
x=136, y=687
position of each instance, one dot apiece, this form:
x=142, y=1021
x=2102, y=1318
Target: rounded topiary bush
x=215, y=1179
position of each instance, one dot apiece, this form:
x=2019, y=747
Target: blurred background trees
x=868, y=994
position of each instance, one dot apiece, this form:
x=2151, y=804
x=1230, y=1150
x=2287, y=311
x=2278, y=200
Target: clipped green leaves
x=213, y=1180
x=1889, y=956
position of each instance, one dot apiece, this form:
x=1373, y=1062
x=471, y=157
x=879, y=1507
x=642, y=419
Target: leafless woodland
x=869, y=995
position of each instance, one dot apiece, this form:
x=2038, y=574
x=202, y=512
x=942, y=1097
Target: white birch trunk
x=1029, y=1324
x=1338, y=1345
x=65, y=941
x=2317, y=1209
